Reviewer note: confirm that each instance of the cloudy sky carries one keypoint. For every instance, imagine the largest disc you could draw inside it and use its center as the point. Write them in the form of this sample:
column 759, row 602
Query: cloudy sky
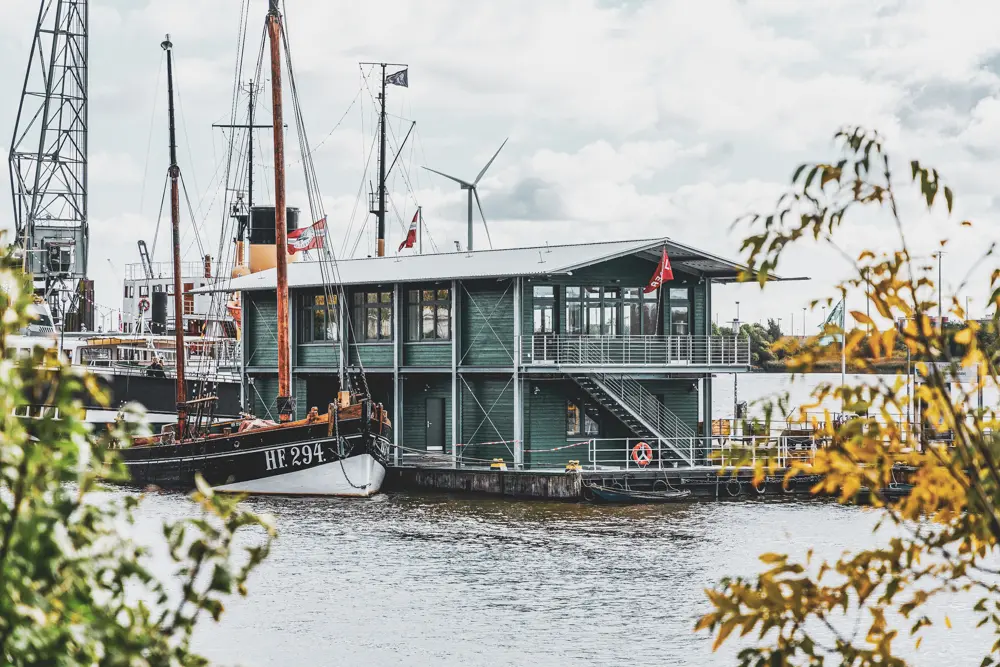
column 626, row 118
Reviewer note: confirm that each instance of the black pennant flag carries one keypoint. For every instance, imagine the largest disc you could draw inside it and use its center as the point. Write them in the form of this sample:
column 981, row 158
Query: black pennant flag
column 400, row 78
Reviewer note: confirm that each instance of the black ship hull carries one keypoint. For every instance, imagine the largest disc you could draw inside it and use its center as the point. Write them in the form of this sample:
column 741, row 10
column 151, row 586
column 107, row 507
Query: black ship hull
column 158, row 395
column 287, row 460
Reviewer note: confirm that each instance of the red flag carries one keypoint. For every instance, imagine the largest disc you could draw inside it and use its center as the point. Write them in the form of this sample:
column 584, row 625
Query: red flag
column 307, row 238
column 411, row 233
column 662, row 275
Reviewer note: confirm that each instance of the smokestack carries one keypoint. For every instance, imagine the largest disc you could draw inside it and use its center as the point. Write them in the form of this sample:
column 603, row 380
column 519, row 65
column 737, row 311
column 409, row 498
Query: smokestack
column 158, row 314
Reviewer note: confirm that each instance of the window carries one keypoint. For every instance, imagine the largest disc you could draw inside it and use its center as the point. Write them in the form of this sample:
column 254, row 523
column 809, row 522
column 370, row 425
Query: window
column 157, row 289
column 544, row 309
column 640, row 312
column 143, row 290
column 188, row 299
column 578, row 422
column 129, row 291
column 429, row 314
column 373, row 315
column 680, row 311
column 595, row 311
column 320, row 320
column 574, row 311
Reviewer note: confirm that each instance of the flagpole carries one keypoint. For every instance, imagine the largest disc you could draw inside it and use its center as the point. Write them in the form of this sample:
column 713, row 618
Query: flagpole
column 843, row 348
column 420, row 230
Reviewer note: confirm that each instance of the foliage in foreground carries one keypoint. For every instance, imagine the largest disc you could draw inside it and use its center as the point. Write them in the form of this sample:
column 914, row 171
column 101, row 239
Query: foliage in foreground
column 860, row 608
column 74, row 589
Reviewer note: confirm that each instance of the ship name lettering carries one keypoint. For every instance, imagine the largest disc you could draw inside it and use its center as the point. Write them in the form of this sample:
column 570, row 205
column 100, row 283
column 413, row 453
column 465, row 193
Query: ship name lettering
column 300, row 456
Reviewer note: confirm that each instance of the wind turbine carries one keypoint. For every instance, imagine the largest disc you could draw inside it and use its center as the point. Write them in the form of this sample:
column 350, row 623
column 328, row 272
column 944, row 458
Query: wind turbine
column 473, row 192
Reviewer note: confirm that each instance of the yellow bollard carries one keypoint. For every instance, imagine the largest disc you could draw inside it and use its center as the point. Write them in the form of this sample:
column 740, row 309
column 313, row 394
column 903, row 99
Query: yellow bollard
column 573, row 465
column 498, row 464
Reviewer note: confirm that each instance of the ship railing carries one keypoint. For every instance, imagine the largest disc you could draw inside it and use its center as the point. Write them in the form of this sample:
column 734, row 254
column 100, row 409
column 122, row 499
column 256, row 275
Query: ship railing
column 585, row 350
column 163, row 270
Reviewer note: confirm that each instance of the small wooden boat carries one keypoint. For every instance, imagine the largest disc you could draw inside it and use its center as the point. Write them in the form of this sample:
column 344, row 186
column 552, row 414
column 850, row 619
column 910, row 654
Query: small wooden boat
column 607, row 494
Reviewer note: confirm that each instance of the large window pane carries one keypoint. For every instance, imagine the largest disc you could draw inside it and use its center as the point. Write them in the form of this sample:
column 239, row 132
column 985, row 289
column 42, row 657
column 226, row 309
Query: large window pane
column 428, row 320
column 594, row 320
column 574, row 318
column 610, row 325
column 572, row 292
column 443, row 324
column 679, row 320
column 386, row 321
column 649, row 317
column 678, row 293
column 632, row 322
column 544, row 291
column 371, row 328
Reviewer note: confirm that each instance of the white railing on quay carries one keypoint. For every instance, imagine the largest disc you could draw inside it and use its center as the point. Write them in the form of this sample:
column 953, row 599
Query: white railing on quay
column 581, row 350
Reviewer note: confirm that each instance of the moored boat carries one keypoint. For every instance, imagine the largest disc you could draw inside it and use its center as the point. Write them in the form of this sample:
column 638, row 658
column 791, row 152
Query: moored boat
column 341, row 452
column 607, row 494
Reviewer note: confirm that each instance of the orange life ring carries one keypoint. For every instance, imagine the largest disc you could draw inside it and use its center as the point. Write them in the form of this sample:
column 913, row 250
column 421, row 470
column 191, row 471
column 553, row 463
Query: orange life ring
column 143, row 305
column 642, row 454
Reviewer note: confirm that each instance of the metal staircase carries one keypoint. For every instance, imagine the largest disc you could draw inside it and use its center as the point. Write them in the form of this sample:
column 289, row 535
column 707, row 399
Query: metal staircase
column 642, row 412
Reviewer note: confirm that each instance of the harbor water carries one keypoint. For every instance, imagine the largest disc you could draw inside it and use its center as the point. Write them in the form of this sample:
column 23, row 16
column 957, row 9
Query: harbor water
column 436, row 580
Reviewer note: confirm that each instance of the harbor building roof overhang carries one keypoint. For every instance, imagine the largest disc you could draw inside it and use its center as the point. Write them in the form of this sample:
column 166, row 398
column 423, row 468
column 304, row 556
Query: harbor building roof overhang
column 484, row 264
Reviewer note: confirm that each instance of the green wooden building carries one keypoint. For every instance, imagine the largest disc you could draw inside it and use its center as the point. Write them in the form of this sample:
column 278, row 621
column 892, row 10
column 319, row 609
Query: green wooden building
column 535, row 355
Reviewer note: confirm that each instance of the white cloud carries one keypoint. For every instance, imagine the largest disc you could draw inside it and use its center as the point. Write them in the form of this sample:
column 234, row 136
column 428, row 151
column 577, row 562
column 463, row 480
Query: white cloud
column 658, row 117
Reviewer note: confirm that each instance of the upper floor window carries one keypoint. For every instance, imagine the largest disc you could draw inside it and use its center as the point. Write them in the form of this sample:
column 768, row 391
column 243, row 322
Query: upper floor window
column 429, row 314
column 641, row 312
column 544, row 299
column 320, row 320
column 611, row 311
column 143, row 290
column 373, row 315
column 680, row 311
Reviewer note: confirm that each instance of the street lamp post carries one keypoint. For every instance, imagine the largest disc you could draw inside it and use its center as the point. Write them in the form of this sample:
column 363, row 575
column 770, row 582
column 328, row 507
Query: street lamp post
column 803, row 322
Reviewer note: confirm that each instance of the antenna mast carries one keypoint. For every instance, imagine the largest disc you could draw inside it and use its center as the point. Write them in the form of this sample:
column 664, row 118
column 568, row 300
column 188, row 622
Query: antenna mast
column 48, row 162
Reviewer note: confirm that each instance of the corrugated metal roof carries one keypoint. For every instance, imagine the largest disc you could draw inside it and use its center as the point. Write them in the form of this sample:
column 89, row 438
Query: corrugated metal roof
column 501, row 263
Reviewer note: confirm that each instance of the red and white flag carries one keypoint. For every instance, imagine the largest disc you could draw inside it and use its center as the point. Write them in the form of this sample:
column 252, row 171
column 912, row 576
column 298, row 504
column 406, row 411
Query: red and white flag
column 307, row 238
column 411, row 233
column 662, row 275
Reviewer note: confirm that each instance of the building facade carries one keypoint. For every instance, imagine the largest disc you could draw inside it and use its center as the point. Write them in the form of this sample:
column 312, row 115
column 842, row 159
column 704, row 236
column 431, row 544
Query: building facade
column 533, row 355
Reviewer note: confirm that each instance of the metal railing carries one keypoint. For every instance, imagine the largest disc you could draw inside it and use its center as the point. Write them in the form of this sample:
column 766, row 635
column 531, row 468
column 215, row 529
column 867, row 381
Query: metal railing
column 649, row 410
column 671, row 453
column 579, row 350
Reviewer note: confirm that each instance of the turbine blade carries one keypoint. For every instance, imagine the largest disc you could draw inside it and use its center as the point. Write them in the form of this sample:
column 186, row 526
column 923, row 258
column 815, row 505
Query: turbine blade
column 457, row 180
column 476, row 182
column 483, row 216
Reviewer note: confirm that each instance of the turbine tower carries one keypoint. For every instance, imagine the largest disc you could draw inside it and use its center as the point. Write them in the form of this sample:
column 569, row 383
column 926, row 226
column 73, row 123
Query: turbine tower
column 473, row 192
column 48, row 163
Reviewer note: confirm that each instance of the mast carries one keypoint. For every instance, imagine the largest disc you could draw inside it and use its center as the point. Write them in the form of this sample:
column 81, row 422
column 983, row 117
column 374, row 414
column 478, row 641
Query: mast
column 250, row 149
column 175, row 234
column 380, row 241
column 285, row 404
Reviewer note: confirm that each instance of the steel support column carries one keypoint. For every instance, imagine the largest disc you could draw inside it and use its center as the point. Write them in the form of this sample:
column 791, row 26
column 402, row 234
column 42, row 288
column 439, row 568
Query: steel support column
column 455, row 345
column 397, row 358
column 518, row 394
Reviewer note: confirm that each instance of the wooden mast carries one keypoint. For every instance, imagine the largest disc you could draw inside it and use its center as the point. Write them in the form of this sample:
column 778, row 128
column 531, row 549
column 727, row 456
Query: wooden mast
column 175, row 208
column 285, row 405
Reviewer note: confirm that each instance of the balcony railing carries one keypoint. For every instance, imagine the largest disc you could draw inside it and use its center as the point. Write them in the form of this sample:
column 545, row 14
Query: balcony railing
column 569, row 350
